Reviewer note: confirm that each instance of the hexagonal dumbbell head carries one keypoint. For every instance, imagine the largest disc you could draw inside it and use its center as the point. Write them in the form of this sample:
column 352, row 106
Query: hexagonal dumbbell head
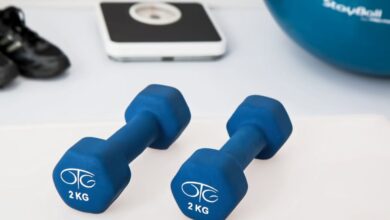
column 269, row 116
column 168, row 106
column 93, row 172
column 211, row 183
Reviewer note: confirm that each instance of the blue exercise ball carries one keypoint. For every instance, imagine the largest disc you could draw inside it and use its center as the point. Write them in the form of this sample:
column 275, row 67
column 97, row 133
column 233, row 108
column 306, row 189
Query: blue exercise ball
column 351, row 34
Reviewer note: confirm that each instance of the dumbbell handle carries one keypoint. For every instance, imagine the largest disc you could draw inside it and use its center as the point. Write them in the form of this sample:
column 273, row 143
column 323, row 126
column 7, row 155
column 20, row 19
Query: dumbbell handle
column 133, row 138
column 245, row 144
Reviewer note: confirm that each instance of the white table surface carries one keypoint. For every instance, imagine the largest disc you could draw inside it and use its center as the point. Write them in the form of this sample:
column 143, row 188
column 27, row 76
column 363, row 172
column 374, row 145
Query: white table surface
column 331, row 168
column 261, row 60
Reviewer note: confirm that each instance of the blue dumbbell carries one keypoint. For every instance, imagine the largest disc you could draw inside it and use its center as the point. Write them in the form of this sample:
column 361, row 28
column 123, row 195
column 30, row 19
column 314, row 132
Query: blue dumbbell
column 93, row 172
column 211, row 183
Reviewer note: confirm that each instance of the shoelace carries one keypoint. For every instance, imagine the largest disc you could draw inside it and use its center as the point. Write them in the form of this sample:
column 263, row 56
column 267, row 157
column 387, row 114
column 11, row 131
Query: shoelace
column 15, row 19
column 9, row 42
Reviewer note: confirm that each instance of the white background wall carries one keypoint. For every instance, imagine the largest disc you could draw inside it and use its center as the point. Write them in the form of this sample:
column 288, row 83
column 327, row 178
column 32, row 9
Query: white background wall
column 61, row 3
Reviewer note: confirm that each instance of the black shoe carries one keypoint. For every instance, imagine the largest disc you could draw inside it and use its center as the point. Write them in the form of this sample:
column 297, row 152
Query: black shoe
column 8, row 70
column 34, row 56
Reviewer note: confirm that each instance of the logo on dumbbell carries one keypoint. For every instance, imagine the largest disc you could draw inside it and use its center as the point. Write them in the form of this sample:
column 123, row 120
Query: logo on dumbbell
column 82, row 178
column 200, row 190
